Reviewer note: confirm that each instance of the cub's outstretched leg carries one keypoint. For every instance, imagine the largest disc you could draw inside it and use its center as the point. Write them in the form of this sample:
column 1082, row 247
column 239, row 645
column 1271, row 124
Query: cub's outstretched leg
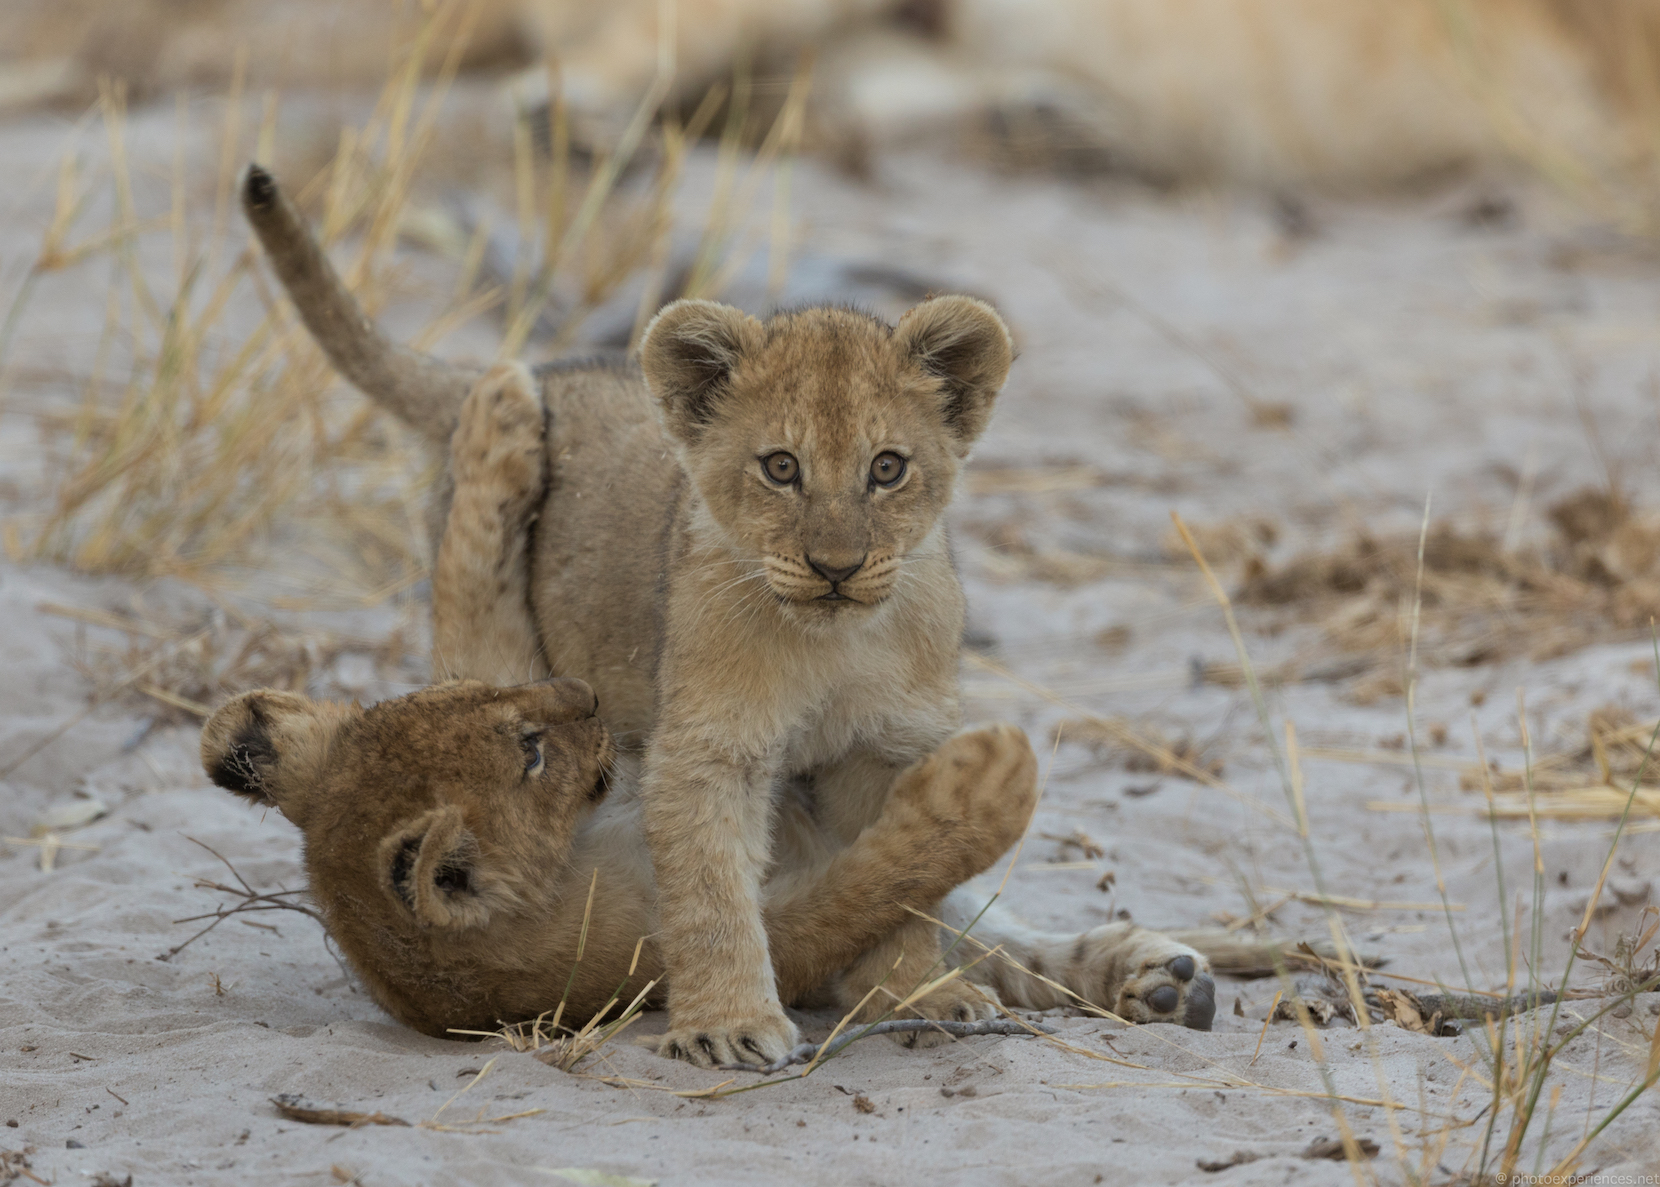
column 849, row 794
column 481, row 618
column 946, row 819
column 1140, row 975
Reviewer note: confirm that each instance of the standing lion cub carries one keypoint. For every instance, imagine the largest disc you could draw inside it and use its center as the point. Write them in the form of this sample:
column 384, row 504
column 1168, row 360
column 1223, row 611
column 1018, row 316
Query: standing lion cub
column 747, row 533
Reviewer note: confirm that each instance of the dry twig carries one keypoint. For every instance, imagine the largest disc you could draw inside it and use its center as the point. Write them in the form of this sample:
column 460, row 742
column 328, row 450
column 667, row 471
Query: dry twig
column 251, row 900
column 808, row 1052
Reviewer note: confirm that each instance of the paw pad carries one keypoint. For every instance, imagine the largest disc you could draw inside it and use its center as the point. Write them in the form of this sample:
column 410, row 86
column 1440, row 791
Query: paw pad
column 1201, row 1003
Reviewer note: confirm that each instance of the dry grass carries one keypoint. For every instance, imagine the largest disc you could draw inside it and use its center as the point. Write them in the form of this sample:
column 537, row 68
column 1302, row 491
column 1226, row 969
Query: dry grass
column 565, row 1047
column 1519, row 1060
column 1110, row 742
column 225, row 436
column 247, row 899
column 1479, row 600
column 1615, row 750
column 1603, row 779
column 183, row 666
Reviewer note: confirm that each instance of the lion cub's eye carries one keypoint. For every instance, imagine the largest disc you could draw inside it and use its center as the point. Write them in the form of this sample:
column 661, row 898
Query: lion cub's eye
column 531, row 744
column 887, row 469
column 781, row 467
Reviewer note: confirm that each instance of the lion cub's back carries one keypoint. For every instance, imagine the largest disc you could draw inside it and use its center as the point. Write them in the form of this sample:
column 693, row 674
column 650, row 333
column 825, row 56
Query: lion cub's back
column 613, row 479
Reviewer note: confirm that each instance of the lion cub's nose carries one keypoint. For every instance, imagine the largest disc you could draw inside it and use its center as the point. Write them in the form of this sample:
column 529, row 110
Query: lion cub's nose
column 572, row 697
column 835, row 574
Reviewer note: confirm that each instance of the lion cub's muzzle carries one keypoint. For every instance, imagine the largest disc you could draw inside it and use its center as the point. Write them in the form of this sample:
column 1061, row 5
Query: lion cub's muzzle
column 832, row 584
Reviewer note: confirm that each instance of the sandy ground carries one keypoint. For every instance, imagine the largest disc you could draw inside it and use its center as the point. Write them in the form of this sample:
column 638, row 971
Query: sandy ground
column 1414, row 353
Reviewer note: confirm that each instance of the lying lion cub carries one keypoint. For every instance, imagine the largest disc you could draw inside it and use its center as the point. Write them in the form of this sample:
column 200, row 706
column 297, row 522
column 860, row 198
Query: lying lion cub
column 452, row 836
column 741, row 549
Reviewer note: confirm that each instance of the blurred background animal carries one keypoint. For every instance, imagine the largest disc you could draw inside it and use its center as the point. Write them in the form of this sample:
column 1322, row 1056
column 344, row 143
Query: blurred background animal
column 1271, row 92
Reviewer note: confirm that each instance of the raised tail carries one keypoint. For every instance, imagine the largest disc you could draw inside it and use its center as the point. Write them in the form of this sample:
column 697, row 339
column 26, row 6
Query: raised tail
column 424, row 392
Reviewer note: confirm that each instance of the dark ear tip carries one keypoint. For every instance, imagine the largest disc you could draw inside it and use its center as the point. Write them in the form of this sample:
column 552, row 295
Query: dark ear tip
column 259, row 188
column 241, row 768
column 237, row 751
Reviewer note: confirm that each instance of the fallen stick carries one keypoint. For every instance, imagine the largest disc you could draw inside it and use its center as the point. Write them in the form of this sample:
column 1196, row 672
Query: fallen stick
column 1443, row 1014
column 806, row 1052
column 1471, row 1008
column 294, row 1108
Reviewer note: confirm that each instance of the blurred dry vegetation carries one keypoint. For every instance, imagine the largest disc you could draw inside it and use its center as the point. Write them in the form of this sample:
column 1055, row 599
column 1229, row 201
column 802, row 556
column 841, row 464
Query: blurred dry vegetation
column 1270, row 92
column 207, row 440
column 1479, row 597
column 203, row 444
column 182, row 459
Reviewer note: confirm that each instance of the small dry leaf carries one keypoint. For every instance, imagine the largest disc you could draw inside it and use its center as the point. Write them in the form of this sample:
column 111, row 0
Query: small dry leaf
column 862, row 1103
column 1407, row 1012
column 294, row 1108
column 1306, row 991
column 1237, row 1158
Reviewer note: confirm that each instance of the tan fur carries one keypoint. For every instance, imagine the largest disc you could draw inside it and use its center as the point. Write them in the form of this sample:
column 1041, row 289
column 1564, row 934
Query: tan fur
column 456, row 884
column 748, row 638
column 451, row 835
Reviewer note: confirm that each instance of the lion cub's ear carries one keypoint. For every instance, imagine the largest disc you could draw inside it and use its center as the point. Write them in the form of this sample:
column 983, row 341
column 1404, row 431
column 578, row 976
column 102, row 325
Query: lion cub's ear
column 434, row 866
column 271, row 747
column 688, row 354
column 965, row 345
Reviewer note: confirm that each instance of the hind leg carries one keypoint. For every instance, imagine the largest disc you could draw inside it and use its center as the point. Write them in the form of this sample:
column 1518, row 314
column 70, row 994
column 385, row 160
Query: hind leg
column 839, row 914
column 988, row 772
column 481, row 617
column 1137, row 974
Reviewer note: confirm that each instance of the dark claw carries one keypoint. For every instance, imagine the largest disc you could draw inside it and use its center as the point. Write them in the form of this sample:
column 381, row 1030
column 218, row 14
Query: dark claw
column 1182, row 968
column 1164, row 999
column 1201, row 1003
column 708, row 1046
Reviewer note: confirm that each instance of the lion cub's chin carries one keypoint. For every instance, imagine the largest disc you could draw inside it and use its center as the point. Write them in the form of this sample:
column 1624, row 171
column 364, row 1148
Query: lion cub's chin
column 831, row 613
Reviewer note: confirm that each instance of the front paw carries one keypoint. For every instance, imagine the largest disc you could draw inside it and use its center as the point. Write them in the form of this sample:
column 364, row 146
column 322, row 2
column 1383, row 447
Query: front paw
column 1171, row 985
column 761, row 1040
column 498, row 439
